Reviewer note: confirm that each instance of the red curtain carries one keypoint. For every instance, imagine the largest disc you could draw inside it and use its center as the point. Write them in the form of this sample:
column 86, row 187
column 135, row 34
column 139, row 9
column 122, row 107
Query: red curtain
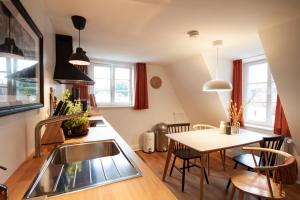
column 280, row 125
column 237, row 85
column 141, row 89
column 93, row 102
column 84, row 89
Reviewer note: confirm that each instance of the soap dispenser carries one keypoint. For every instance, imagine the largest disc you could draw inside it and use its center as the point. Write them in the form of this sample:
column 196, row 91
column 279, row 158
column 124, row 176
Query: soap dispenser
column 3, row 188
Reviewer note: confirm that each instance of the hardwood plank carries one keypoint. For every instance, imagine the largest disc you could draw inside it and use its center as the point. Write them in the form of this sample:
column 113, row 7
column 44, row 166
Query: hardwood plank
column 202, row 176
column 218, row 178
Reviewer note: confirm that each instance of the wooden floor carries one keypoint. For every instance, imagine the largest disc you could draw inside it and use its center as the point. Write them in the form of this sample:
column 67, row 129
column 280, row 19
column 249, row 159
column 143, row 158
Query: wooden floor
column 216, row 190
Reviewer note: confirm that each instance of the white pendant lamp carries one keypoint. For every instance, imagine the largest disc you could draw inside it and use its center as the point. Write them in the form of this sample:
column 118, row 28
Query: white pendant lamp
column 217, row 85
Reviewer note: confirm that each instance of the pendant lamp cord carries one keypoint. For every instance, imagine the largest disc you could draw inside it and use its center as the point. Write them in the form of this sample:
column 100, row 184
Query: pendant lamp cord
column 79, row 36
column 216, row 75
column 9, row 27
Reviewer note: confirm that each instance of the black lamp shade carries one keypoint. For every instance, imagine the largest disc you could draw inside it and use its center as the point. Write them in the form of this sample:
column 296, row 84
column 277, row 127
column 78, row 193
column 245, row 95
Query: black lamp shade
column 10, row 49
column 79, row 57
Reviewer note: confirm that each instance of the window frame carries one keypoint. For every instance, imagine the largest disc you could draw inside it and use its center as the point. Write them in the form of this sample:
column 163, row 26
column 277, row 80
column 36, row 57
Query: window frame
column 113, row 65
column 269, row 123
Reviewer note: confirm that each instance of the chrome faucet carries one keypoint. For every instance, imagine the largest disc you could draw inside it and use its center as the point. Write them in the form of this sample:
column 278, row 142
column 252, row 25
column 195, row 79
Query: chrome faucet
column 50, row 120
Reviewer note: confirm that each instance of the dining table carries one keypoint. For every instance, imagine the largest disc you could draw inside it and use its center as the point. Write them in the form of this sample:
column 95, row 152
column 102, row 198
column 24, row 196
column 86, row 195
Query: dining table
column 208, row 141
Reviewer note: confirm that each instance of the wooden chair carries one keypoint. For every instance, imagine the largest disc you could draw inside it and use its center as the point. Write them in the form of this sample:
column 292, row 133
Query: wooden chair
column 246, row 160
column 222, row 152
column 202, row 126
column 183, row 152
column 259, row 183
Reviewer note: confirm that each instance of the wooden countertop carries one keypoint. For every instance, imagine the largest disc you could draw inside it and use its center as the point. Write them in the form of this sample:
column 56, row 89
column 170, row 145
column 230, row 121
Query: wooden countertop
column 149, row 186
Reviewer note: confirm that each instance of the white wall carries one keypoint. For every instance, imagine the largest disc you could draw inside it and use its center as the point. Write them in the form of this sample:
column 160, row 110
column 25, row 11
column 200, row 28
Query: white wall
column 281, row 45
column 163, row 103
column 17, row 131
column 187, row 77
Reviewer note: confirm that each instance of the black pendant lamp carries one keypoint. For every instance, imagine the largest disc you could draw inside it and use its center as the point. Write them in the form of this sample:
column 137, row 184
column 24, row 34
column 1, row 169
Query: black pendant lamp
column 9, row 47
column 79, row 57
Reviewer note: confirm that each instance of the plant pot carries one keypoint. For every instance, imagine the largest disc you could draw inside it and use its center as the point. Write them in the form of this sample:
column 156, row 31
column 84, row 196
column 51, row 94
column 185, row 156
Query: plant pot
column 76, row 131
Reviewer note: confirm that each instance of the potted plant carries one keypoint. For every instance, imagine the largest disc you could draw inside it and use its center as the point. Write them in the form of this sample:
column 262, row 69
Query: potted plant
column 77, row 126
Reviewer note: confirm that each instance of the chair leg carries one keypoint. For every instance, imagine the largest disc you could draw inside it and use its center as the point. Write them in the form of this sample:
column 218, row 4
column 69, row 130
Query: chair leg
column 188, row 165
column 183, row 176
column 229, row 180
column 206, row 178
column 232, row 193
column 241, row 195
column 173, row 164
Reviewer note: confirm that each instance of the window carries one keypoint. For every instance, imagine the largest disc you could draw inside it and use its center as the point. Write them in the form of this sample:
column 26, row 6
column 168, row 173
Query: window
column 9, row 87
column 259, row 94
column 3, row 79
column 114, row 84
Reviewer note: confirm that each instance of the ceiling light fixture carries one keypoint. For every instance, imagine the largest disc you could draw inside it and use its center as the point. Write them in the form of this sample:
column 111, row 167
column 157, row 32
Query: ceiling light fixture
column 9, row 47
column 79, row 57
column 216, row 85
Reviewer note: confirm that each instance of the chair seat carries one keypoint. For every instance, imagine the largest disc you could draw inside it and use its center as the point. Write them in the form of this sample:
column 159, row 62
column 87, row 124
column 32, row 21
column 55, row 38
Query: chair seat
column 255, row 184
column 246, row 160
column 187, row 154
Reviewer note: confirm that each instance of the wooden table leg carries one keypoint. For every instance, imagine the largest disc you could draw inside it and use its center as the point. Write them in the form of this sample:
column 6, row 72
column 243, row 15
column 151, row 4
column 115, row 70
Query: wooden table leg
column 170, row 151
column 224, row 159
column 202, row 176
column 208, row 165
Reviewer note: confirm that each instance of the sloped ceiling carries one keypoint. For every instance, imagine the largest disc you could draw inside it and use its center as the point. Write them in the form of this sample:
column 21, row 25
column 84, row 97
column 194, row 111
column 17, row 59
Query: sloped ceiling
column 155, row 30
column 188, row 76
column 282, row 47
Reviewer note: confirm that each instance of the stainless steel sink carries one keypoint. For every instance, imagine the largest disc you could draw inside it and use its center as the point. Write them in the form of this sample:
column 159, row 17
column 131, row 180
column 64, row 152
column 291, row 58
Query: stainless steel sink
column 79, row 152
column 79, row 166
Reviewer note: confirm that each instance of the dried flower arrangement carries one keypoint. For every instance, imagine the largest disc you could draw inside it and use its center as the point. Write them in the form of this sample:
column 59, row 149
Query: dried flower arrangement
column 235, row 113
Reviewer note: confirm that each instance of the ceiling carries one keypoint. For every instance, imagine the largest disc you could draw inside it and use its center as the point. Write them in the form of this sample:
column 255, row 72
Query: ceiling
column 155, row 30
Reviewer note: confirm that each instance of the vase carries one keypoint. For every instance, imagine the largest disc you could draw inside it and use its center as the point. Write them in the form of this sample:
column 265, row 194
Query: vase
column 235, row 128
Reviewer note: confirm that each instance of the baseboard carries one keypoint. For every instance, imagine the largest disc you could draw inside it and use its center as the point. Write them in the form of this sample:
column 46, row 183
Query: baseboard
column 135, row 147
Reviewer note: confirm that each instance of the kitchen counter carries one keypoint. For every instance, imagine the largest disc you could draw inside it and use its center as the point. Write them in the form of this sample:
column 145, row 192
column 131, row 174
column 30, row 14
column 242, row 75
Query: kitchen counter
column 148, row 186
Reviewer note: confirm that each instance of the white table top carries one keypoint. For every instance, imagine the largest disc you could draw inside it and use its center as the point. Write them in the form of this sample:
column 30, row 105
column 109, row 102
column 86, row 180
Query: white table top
column 210, row 140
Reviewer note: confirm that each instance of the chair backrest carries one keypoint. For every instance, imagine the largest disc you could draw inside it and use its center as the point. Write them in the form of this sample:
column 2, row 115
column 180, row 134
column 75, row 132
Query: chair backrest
column 284, row 173
column 270, row 143
column 202, row 126
column 177, row 128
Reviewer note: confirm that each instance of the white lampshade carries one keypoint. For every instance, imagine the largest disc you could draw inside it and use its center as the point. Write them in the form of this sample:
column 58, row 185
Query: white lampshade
column 217, row 86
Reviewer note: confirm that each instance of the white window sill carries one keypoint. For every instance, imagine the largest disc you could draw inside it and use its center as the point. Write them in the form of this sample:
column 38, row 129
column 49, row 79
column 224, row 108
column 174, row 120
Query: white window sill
column 265, row 129
column 114, row 106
